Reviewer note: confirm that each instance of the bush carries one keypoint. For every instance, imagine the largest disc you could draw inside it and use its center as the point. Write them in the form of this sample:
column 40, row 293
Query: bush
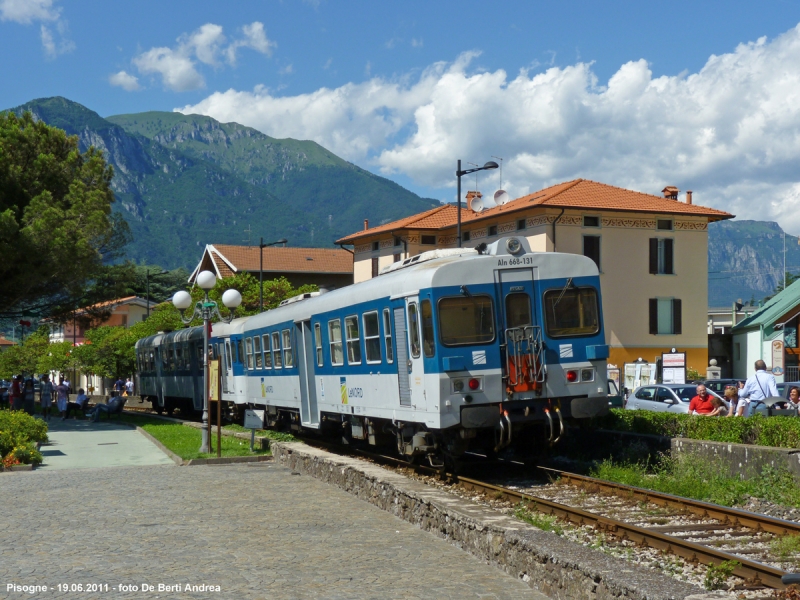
column 19, row 434
column 778, row 432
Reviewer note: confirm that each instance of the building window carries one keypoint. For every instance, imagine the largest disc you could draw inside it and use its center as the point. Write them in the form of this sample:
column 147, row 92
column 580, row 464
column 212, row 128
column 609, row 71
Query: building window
column 397, row 241
column 661, row 256
column 738, row 348
column 465, row 236
column 492, row 230
column 428, row 240
column 376, row 246
column 664, row 224
column 591, row 248
column 397, row 257
column 521, row 224
column 375, row 266
column 591, row 221
column 665, row 316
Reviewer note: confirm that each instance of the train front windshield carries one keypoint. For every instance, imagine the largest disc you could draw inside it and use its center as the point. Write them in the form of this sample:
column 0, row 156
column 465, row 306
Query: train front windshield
column 571, row 312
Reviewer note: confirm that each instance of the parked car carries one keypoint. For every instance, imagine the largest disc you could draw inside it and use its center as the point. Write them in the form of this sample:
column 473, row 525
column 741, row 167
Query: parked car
column 784, row 387
column 718, row 385
column 666, row 397
column 615, row 397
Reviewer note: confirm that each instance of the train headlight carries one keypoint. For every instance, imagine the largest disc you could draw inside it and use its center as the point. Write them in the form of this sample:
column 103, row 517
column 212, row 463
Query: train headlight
column 513, row 245
column 458, row 385
column 572, row 376
column 587, row 375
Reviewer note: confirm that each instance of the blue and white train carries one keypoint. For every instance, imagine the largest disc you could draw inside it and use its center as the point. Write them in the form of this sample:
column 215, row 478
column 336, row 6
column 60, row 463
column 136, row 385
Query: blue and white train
column 448, row 350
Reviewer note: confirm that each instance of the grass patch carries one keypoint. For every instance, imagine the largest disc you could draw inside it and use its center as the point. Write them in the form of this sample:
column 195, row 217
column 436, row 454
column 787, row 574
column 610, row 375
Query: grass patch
column 278, row 436
column 702, row 479
column 787, row 548
column 537, row 519
column 185, row 441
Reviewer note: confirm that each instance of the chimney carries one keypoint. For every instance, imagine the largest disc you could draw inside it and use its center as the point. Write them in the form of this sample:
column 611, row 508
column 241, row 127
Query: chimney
column 670, row 192
column 366, row 224
column 688, row 196
column 471, row 195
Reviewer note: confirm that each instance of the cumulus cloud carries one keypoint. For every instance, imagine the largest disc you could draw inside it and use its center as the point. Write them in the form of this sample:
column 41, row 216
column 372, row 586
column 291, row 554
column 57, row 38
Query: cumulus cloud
column 178, row 66
column 730, row 132
column 128, row 82
column 27, row 12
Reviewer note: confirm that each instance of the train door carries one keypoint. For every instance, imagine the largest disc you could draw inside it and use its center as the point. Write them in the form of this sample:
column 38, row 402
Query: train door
column 403, row 362
column 416, row 372
column 227, row 368
column 160, row 379
column 522, row 334
column 309, row 414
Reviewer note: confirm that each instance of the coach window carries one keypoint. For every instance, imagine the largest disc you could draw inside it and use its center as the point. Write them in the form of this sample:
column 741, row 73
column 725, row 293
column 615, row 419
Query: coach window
column 428, row 341
column 466, row 320
column 518, row 310
column 257, row 351
column 413, row 326
column 239, row 351
column 335, row 336
column 248, row 344
column 228, row 354
column 276, row 350
column 387, row 336
column 372, row 337
column 267, row 353
column 288, row 357
column 353, row 340
column 178, row 358
column 318, row 343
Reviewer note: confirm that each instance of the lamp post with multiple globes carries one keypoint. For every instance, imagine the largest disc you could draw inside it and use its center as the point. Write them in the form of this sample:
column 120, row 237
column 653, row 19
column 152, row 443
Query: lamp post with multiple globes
column 207, row 309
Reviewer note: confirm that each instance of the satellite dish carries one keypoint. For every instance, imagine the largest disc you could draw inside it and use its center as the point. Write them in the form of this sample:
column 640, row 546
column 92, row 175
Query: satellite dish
column 501, row 197
column 476, row 204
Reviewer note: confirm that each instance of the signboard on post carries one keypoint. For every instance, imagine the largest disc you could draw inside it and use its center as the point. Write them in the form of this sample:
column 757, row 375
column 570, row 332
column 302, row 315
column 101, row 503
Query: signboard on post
column 777, row 357
column 673, row 366
column 213, row 380
column 254, row 419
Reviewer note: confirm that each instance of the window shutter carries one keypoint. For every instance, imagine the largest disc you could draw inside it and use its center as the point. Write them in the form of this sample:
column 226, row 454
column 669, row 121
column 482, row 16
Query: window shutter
column 653, row 316
column 653, row 256
column 676, row 316
column 668, row 263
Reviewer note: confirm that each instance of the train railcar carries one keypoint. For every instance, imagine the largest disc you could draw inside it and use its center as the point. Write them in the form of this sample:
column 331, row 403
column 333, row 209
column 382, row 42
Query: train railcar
column 446, row 350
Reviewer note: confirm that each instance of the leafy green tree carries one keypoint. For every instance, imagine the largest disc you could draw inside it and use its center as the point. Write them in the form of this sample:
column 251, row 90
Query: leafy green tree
column 25, row 357
column 56, row 224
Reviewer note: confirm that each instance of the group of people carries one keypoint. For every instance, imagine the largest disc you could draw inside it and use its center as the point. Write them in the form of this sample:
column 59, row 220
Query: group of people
column 743, row 399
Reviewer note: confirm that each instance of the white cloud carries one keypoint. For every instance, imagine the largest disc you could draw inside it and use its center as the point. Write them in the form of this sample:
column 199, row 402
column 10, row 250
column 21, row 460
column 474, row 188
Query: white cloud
column 730, row 132
column 128, row 82
column 53, row 48
column 178, row 66
column 287, row 70
column 28, row 11
column 417, row 43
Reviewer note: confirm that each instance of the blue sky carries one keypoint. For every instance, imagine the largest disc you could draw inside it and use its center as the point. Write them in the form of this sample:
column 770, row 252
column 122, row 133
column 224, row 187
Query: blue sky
column 641, row 95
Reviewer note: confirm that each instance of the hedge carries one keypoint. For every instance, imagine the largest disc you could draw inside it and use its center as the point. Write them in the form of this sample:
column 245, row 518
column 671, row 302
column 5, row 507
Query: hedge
column 778, row 432
column 19, row 434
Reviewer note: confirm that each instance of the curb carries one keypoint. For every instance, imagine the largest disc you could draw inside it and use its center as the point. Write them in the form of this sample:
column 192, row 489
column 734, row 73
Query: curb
column 226, row 460
column 175, row 458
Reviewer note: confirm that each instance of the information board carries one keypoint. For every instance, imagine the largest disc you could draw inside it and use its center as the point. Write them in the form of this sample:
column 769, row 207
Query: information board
column 254, row 419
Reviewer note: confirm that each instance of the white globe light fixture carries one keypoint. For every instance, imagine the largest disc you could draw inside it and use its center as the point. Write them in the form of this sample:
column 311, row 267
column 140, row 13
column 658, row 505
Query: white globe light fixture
column 206, row 280
column 182, row 300
column 232, row 298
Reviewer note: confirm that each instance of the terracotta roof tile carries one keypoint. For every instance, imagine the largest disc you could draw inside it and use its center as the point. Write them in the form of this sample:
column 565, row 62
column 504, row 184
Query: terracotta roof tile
column 289, row 260
column 580, row 194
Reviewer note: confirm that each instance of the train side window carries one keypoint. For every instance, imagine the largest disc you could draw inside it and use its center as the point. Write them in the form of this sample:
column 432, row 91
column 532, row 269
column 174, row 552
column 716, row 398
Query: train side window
column 288, row 357
column 428, row 341
column 248, row 346
column 267, row 352
column 276, row 350
column 178, row 357
column 353, row 340
column 318, row 343
column 152, row 361
column 413, row 326
column 387, row 336
column 372, row 337
column 466, row 320
column 228, row 354
column 335, row 336
column 257, row 351
column 518, row 310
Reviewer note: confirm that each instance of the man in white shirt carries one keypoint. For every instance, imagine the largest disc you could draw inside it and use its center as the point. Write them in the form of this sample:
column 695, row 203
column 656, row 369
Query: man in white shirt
column 758, row 387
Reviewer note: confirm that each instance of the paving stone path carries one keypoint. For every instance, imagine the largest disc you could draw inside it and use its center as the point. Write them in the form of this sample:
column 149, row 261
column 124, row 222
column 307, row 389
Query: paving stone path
column 255, row 530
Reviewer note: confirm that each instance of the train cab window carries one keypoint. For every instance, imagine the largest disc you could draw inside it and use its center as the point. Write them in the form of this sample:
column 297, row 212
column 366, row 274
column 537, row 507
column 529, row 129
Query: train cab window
column 248, row 346
column 353, row 340
column 387, row 336
column 518, row 310
column 570, row 312
column 413, row 326
column 466, row 320
column 426, row 319
column 257, row 351
column 267, row 352
column 335, row 337
column 318, row 343
column 276, row 350
column 372, row 337
column 288, row 357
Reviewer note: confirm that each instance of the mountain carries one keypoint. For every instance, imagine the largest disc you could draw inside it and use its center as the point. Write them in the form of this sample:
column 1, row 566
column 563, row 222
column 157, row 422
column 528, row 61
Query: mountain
column 185, row 181
column 745, row 260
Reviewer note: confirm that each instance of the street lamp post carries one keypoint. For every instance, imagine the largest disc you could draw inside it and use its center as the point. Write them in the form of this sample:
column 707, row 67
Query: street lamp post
column 489, row 165
column 261, row 247
column 207, row 309
column 147, row 280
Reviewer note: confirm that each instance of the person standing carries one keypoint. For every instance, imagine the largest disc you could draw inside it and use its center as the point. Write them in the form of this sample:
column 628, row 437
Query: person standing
column 757, row 388
column 701, row 404
column 28, row 396
column 129, row 387
column 119, row 385
column 15, row 395
column 46, row 396
column 62, row 393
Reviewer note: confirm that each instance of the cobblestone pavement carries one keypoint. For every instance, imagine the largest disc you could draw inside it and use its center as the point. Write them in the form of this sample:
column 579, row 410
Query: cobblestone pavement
column 256, row 530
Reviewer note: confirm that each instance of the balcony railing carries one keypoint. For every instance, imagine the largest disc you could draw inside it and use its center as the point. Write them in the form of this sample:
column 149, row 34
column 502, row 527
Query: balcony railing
column 792, row 374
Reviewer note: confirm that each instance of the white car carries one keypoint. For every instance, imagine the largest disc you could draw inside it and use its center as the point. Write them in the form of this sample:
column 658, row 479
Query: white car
column 671, row 397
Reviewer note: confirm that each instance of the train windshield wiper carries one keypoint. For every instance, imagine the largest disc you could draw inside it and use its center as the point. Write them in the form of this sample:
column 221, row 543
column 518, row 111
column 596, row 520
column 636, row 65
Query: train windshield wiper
column 564, row 291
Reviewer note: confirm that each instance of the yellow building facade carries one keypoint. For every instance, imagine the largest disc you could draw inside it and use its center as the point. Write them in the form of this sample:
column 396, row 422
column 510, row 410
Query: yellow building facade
column 651, row 251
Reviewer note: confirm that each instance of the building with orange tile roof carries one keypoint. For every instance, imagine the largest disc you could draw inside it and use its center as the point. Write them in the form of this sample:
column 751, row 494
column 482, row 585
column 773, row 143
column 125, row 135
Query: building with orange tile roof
column 121, row 312
column 327, row 267
column 651, row 251
column 5, row 343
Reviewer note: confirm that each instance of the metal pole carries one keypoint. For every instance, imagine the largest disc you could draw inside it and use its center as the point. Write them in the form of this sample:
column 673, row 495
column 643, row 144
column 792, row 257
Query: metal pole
column 784, row 260
column 219, row 407
column 458, row 230
column 147, row 279
column 204, row 446
column 261, row 276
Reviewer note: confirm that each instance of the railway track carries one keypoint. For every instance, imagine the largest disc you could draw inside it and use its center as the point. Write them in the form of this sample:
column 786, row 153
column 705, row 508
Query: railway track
column 698, row 532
